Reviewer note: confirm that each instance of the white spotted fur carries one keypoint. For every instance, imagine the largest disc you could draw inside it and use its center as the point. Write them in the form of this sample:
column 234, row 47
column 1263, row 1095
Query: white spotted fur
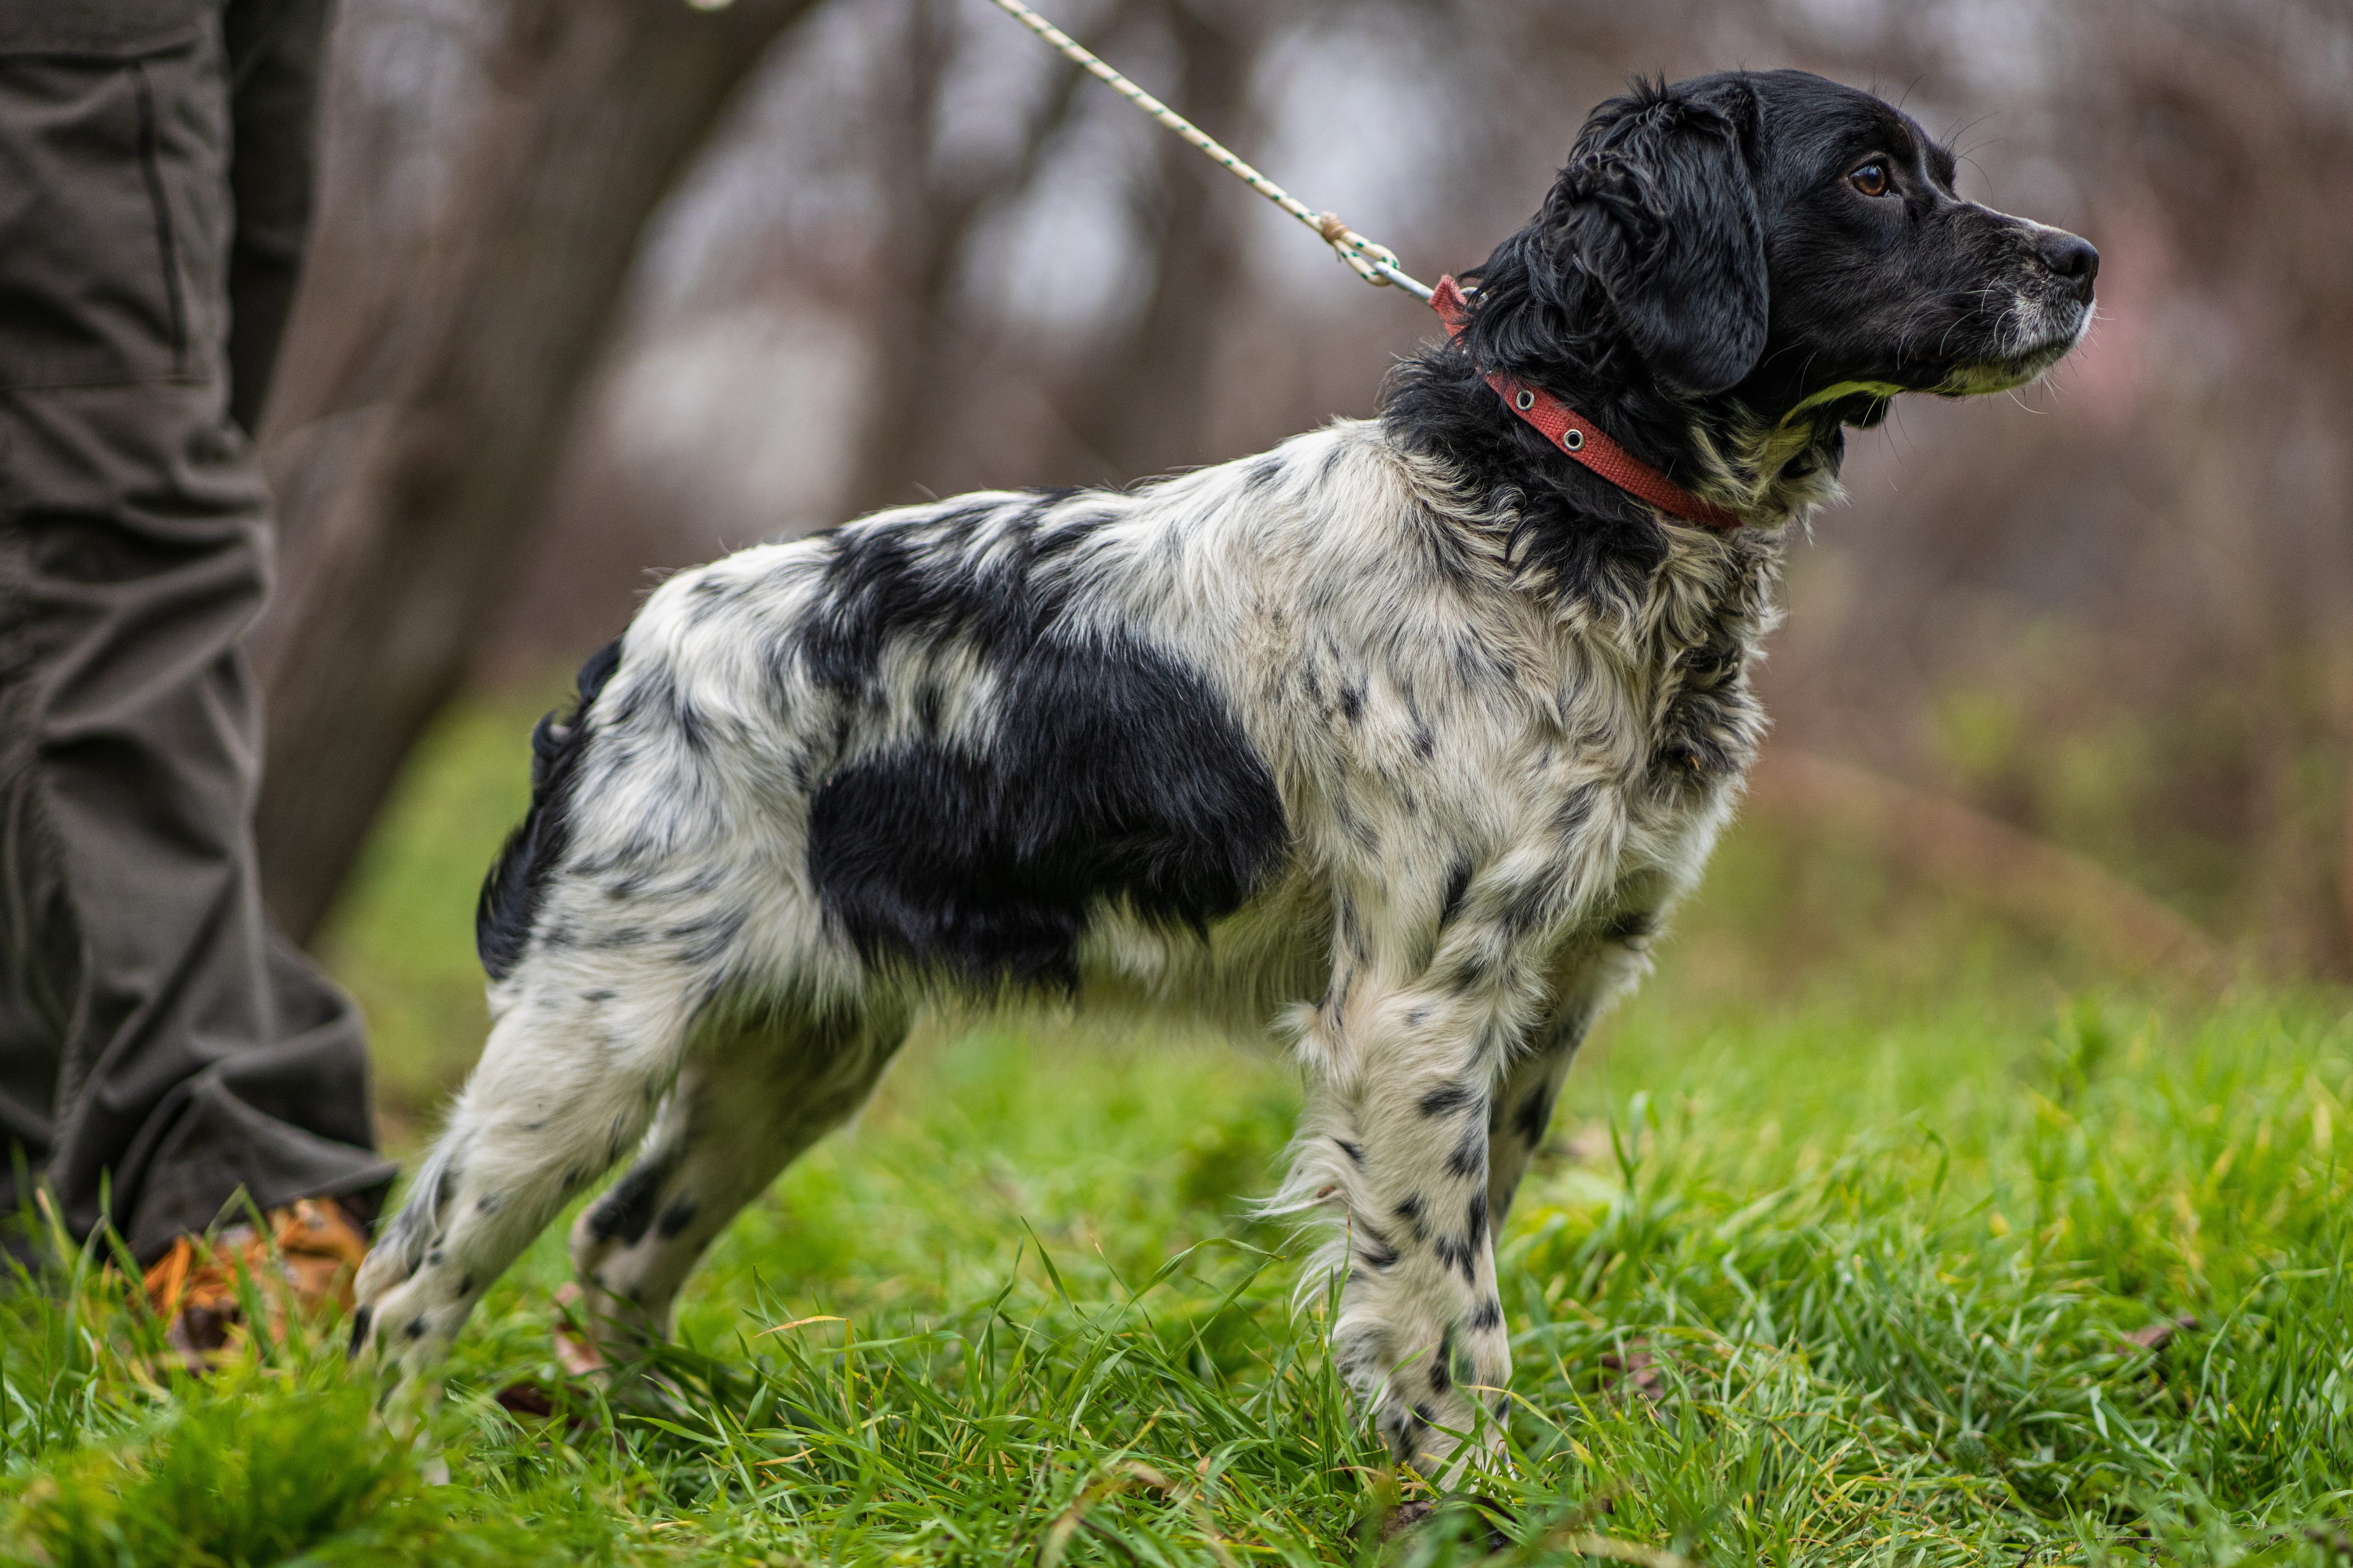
column 738, row 1026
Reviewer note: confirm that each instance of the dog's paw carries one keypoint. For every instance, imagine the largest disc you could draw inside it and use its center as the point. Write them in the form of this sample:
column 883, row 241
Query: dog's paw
column 402, row 1328
column 1491, row 1518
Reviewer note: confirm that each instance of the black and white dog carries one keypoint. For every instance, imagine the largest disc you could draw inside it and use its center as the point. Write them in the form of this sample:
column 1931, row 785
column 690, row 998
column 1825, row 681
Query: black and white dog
column 1404, row 736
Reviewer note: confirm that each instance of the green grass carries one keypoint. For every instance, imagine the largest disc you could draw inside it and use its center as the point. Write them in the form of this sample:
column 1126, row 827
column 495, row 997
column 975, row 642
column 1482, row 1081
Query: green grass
column 1880, row 1190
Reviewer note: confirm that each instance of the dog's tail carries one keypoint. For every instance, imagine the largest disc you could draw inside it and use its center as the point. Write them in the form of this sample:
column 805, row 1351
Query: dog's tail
column 510, row 893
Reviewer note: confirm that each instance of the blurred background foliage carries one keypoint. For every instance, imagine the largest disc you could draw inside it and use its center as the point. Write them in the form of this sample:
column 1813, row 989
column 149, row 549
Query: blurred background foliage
column 2066, row 692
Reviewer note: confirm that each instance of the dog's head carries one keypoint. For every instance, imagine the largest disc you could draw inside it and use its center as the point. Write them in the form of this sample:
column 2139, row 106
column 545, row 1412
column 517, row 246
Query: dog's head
column 1783, row 242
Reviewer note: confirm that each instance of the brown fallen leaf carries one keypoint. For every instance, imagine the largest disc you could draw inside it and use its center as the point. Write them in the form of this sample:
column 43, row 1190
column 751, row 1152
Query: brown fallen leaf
column 576, row 1352
column 2156, row 1335
column 524, row 1399
column 302, row 1265
column 2336, row 1542
column 1639, row 1372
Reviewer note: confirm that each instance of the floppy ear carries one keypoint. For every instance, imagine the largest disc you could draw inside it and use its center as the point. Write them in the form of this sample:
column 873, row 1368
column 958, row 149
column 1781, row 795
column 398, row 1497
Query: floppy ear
column 1659, row 208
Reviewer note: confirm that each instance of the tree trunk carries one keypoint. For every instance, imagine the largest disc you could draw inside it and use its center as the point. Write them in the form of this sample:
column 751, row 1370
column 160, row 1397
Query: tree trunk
column 1144, row 408
column 408, row 470
column 921, row 343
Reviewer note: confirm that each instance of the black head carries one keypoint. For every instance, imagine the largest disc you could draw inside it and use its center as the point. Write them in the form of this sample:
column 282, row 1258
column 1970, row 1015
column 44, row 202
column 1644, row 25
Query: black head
column 1771, row 243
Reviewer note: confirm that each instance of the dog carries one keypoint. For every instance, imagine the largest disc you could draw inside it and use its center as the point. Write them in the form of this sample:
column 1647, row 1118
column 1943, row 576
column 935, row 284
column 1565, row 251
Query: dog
column 1402, row 738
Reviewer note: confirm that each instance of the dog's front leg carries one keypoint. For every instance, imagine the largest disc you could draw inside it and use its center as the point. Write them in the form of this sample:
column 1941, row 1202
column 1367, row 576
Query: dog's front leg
column 1394, row 1146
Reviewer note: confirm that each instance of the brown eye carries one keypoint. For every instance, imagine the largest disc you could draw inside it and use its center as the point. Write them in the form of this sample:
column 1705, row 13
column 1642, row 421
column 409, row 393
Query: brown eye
column 1871, row 179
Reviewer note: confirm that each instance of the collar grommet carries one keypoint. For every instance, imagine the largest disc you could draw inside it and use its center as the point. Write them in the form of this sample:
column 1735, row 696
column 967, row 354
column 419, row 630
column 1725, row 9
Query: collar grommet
column 1572, row 440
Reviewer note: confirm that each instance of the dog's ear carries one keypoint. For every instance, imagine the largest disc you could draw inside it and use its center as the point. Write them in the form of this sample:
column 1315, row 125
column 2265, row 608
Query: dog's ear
column 1659, row 208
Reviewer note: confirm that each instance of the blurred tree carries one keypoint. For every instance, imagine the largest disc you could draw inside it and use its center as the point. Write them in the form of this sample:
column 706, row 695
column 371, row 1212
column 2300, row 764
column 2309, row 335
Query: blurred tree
column 2118, row 621
column 409, row 452
column 924, row 339
column 1144, row 402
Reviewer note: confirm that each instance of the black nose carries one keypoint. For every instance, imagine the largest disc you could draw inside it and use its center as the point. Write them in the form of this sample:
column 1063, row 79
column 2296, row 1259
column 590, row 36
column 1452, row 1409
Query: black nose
column 2072, row 259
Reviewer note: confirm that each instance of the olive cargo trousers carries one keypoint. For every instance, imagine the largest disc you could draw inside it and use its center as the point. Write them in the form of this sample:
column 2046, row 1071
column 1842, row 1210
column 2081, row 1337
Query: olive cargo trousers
column 159, row 1041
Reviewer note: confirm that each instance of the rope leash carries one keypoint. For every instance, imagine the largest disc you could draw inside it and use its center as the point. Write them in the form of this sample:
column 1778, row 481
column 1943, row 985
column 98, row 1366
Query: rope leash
column 1376, row 264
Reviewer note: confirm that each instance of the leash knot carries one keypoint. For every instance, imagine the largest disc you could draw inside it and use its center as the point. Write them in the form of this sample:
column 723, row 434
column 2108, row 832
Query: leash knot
column 1363, row 258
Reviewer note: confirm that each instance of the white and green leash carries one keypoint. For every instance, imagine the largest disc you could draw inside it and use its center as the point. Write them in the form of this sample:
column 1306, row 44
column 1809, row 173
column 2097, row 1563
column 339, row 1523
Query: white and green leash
column 1376, row 264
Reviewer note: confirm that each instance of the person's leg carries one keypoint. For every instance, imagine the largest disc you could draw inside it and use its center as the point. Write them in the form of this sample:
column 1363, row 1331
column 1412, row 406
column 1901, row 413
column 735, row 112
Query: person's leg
column 188, row 1052
column 275, row 52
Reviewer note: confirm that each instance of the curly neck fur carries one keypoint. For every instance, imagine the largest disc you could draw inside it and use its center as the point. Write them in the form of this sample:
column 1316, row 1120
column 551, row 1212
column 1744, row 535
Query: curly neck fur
column 1568, row 524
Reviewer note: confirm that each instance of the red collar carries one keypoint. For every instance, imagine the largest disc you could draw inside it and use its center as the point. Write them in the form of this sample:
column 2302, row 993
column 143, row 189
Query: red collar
column 1578, row 437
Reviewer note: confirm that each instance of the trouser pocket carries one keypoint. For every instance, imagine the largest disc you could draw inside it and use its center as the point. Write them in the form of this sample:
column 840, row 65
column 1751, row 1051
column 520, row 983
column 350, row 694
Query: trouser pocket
column 114, row 215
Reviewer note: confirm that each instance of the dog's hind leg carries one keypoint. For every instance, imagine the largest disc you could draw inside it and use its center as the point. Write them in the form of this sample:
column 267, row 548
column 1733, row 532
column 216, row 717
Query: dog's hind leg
column 568, row 1081
column 753, row 1096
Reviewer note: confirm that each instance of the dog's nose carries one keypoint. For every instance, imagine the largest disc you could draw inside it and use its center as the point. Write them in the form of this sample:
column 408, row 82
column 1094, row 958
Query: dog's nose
column 2072, row 259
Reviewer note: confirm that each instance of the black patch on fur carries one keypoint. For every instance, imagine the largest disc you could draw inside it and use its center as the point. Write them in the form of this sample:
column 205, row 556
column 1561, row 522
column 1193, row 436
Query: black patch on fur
column 511, row 892
column 1355, row 1155
column 1116, row 775
column 1351, row 931
column 1382, row 1256
column 1461, row 1254
column 926, row 578
column 704, row 938
column 675, row 1216
column 626, row 1210
column 1411, row 1211
column 1577, row 809
column 1464, row 1254
column 1489, row 1314
column 1534, row 1115
column 1447, row 1098
column 1632, row 926
column 1699, row 739
column 1708, row 663
column 445, row 1188
column 1458, row 884
column 415, row 1329
column 359, row 1321
column 1469, row 1156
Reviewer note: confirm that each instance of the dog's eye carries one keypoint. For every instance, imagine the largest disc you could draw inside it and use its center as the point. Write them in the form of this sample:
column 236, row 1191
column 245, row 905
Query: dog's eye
column 1871, row 179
